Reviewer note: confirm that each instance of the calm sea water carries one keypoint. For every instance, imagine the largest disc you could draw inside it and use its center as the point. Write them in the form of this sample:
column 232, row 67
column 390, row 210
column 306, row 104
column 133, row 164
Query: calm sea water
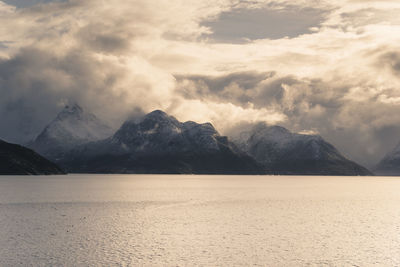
column 167, row 220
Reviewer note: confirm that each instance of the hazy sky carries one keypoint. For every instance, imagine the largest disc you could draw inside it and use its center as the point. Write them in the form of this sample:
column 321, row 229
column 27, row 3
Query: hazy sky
column 329, row 67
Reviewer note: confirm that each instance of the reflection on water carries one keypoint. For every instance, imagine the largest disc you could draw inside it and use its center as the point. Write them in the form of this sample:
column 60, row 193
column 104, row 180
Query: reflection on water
column 136, row 220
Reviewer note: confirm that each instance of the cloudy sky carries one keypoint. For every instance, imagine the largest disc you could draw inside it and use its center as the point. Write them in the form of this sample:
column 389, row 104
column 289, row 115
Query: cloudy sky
column 328, row 67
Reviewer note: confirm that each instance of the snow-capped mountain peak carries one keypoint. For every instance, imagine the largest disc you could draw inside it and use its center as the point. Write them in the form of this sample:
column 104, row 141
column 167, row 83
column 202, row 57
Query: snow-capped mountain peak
column 285, row 152
column 159, row 131
column 71, row 127
column 159, row 143
column 69, row 111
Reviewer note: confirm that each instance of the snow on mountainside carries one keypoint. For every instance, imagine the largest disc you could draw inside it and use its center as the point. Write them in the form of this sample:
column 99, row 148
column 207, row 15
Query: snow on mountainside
column 71, row 127
column 159, row 143
column 268, row 143
column 285, row 152
column 160, row 133
column 390, row 164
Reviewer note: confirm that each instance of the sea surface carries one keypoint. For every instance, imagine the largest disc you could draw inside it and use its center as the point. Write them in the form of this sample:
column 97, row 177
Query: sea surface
column 189, row 220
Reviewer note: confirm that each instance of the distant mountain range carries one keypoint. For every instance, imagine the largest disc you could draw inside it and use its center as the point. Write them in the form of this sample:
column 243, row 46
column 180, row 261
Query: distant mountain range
column 158, row 143
column 78, row 141
column 390, row 164
column 283, row 152
column 18, row 160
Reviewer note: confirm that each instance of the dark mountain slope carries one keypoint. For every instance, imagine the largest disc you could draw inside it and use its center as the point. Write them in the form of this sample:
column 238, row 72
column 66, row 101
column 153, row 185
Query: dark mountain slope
column 18, row 160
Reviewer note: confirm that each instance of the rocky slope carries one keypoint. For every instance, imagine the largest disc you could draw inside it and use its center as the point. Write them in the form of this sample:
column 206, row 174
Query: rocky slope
column 71, row 127
column 284, row 152
column 18, row 160
column 159, row 143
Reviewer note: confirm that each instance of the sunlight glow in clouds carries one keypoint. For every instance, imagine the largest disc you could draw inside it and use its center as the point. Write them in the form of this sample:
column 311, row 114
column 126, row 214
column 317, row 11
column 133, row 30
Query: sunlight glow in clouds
column 338, row 75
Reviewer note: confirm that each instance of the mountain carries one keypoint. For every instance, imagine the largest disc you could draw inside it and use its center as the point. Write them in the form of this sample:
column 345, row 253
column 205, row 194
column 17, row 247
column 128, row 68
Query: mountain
column 284, row 152
column 71, row 127
column 390, row 164
column 159, row 143
column 18, row 160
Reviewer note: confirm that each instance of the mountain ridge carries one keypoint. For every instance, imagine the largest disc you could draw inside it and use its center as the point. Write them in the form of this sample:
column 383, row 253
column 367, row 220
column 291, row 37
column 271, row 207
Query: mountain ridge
column 159, row 143
column 71, row 127
column 284, row 152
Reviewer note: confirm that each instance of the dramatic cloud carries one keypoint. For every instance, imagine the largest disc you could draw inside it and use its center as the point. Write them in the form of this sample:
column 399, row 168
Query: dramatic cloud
column 331, row 67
